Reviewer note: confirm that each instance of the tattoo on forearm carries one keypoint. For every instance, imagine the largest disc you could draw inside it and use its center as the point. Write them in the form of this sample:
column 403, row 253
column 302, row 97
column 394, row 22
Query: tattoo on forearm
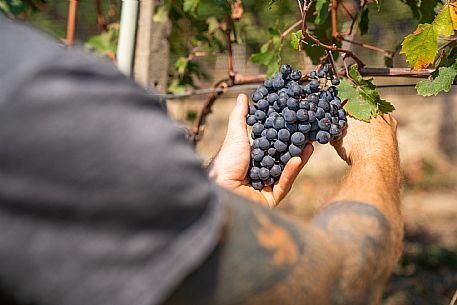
column 341, row 258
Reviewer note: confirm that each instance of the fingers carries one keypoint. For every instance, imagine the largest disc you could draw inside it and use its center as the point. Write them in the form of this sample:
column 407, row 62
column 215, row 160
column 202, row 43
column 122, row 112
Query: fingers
column 341, row 151
column 237, row 120
column 290, row 172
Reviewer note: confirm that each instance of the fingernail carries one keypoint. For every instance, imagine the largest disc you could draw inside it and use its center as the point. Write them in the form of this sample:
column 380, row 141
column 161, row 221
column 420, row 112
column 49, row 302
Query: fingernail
column 239, row 100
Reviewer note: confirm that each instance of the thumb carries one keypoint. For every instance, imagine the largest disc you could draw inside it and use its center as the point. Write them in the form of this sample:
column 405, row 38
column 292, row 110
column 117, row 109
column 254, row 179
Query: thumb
column 237, row 120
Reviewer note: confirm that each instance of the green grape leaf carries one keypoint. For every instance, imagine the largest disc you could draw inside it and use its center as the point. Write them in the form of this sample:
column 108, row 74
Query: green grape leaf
column 423, row 10
column 363, row 22
column 321, row 11
column 267, row 59
column 181, row 65
column 442, row 82
column 191, row 6
column 363, row 101
column 270, row 54
column 357, row 105
column 106, row 42
column 314, row 53
column 420, row 47
column 4, row 7
column 213, row 24
column 324, row 32
column 295, row 42
column 388, row 61
column 176, row 88
column 14, row 7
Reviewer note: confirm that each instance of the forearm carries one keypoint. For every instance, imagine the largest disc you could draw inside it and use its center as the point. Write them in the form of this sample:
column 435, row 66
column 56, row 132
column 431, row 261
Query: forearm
column 376, row 183
column 364, row 216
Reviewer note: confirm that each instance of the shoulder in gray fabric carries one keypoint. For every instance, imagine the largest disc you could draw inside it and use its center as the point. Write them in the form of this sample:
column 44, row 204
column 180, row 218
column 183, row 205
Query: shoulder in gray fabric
column 102, row 200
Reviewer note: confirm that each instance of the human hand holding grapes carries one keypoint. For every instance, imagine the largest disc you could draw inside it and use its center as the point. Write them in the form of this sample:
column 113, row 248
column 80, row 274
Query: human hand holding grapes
column 230, row 167
column 365, row 142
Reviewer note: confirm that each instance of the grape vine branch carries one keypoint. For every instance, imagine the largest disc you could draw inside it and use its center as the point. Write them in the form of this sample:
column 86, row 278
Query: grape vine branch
column 307, row 38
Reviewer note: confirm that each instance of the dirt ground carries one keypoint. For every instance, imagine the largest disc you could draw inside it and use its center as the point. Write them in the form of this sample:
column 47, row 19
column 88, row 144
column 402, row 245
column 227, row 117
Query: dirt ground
column 427, row 272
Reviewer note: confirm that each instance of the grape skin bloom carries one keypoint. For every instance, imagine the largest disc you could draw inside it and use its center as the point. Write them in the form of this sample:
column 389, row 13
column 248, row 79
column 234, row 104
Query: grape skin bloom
column 286, row 114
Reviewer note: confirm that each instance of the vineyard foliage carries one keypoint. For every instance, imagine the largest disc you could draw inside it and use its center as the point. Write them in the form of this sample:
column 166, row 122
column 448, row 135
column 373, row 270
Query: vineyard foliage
column 210, row 27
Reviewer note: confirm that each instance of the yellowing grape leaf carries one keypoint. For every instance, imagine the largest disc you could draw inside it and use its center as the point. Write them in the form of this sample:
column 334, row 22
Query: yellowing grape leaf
column 446, row 21
column 420, row 47
column 363, row 101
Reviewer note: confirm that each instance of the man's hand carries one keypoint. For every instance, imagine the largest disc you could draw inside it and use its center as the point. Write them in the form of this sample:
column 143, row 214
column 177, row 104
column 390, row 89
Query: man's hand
column 229, row 168
column 367, row 141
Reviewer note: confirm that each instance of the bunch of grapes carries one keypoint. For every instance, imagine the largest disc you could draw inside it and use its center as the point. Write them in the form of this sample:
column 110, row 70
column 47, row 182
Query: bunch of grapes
column 287, row 114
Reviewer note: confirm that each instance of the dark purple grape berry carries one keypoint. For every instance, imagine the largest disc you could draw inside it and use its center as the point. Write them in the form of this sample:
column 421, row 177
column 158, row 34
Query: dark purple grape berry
column 315, row 125
column 251, row 120
column 324, row 124
column 290, row 116
column 292, row 104
column 304, row 127
column 284, row 135
column 314, row 84
column 257, row 184
column 295, row 75
column 278, row 83
column 257, row 154
column 256, row 96
column 294, row 150
column 272, row 97
column 275, row 171
column 267, row 162
column 320, row 113
column 291, row 127
column 260, row 115
column 311, row 116
column 313, row 98
column 342, row 114
column 298, row 138
column 285, row 70
column 264, row 173
column 280, row 146
column 269, row 181
column 257, row 128
column 342, row 123
column 335, row 130
column 271, row 134
column 262, row 104
column 302, row 115
column 262, row 90
column 323, row 137
column 324, row 105
column 254, row 173
column 285, row 157
column 264, row 144
column 304, row 105
column 278, row 123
